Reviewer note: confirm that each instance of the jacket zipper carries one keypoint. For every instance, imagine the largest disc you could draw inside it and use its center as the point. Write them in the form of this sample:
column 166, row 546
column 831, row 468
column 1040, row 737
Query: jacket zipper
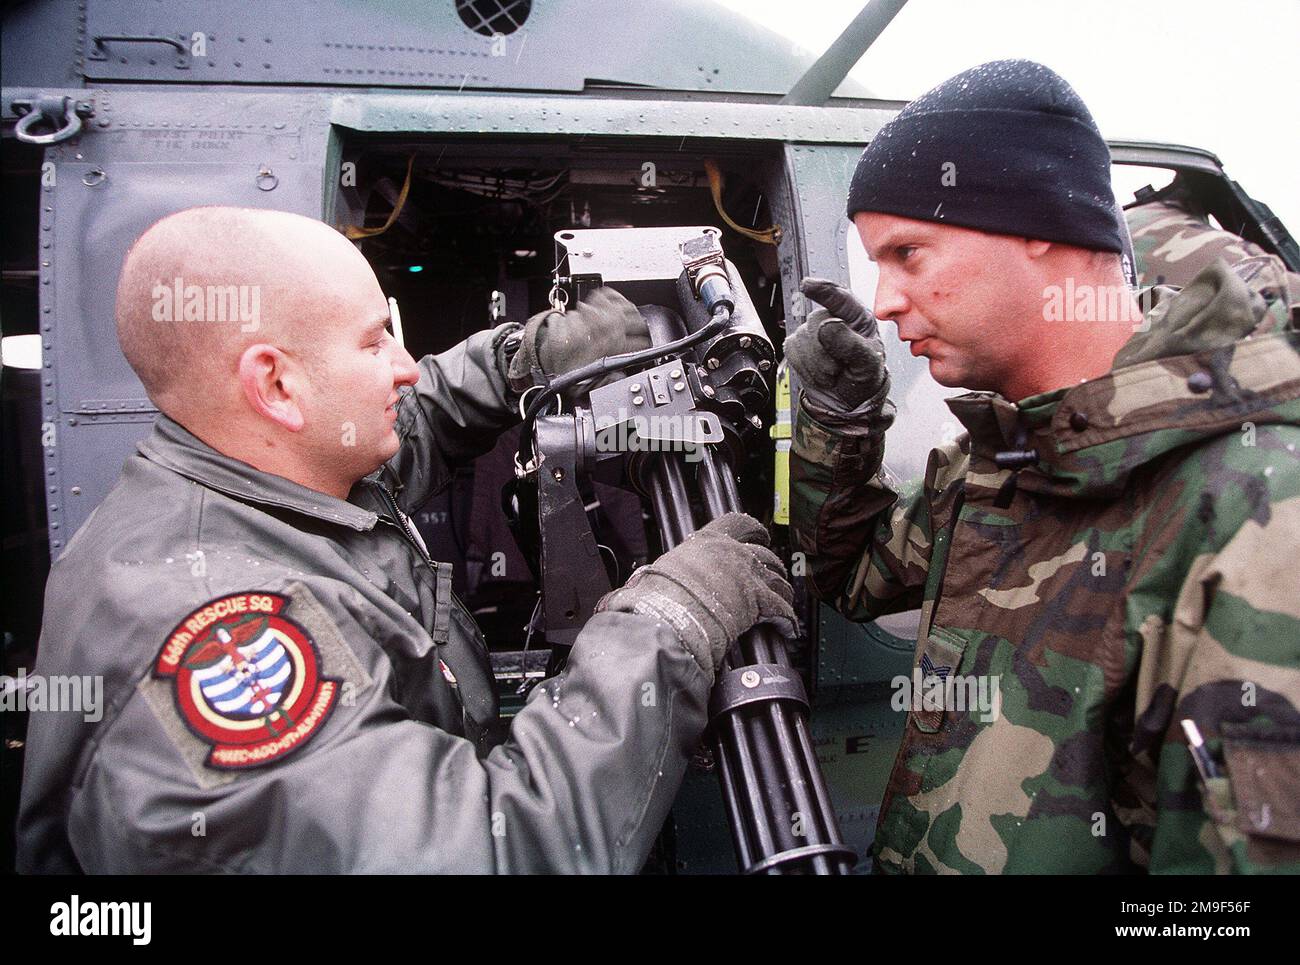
column 401, row 522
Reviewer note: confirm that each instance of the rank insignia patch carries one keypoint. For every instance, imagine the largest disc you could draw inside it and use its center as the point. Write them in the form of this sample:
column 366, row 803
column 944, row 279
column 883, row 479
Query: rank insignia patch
column 247, row 679
column 929, row 669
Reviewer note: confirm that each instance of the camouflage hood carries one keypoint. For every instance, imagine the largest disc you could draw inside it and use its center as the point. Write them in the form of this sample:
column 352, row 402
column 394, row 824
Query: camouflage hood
column 1219, row 356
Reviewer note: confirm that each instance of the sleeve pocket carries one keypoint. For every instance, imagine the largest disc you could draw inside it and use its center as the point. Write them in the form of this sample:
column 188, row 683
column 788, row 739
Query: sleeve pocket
column 1255, row 807
column 1264, row 770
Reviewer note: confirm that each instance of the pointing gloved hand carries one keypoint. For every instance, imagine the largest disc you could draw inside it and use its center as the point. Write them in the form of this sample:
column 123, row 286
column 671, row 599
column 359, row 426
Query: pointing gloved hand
column 605, row 323
column 839, row 358
column 712, row 587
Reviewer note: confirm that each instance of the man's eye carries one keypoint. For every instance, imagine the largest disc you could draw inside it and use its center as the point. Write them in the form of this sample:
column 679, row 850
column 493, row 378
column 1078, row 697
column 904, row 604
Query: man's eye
column 905, row 251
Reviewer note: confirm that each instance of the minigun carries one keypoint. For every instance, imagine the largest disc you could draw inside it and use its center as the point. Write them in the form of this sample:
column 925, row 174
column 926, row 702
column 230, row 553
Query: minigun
column 674, row 420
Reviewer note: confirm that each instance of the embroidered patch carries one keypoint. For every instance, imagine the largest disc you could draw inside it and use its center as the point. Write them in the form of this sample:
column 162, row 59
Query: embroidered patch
column 247, row 679
column 929, row 669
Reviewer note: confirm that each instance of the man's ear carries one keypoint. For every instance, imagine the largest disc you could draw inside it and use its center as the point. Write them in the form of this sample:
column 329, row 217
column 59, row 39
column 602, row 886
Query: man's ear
column 271, row 385
column 1036, row 248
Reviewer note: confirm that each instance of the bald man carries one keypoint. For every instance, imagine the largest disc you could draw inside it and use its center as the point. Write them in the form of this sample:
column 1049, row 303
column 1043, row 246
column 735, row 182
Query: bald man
column 290, row 684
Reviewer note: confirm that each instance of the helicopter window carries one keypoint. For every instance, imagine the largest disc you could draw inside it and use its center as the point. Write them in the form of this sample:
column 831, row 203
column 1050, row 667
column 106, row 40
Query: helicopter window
column 1128, row 179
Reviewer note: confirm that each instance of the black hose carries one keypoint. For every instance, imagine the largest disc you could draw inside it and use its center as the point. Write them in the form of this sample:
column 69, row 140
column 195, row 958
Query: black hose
column 610, row 363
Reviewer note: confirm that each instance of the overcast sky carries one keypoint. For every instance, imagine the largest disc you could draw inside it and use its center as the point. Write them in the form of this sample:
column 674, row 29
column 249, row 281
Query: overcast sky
column 1218, row 74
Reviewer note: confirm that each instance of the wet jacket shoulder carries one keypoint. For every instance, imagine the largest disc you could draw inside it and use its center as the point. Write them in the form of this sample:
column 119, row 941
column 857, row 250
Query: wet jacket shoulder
column 348, row 736
column 1120, row 582
column 1173, row 243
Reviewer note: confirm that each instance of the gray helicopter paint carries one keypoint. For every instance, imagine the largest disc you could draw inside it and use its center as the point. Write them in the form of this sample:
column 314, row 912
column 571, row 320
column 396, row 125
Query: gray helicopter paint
column 424, row 43
column 109, row 185
column 40, row 45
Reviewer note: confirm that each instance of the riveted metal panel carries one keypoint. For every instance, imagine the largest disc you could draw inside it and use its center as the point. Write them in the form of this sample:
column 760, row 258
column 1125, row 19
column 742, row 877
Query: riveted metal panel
column 158, row 153
column 425, row 43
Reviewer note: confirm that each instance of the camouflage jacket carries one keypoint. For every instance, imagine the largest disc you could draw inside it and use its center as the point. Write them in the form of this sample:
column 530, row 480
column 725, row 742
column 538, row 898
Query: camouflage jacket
column 1173, row 245
column 1136, row 573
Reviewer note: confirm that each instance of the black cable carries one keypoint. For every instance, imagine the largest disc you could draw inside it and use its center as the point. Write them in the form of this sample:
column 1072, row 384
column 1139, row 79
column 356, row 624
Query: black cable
column 603, row 366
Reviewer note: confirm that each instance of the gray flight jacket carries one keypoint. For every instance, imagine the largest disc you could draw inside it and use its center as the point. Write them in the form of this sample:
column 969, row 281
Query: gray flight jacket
column 289, row 684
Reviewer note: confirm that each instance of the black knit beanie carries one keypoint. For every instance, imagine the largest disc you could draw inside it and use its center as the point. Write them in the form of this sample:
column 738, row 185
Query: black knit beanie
column 1007, row 147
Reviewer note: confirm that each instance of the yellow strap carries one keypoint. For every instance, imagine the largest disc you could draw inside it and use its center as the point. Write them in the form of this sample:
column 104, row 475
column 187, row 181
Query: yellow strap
column 768, row 236
column 355, row 231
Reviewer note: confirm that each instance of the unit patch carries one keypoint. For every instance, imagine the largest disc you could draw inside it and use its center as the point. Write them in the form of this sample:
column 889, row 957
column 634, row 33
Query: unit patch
column 247, row 679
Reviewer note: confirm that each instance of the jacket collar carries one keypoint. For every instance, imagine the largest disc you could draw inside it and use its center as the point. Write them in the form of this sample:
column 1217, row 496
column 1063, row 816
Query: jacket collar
column 173, row 446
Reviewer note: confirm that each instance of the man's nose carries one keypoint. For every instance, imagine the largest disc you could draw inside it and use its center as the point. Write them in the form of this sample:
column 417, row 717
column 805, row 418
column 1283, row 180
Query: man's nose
column 405, row 371
column 890, row 301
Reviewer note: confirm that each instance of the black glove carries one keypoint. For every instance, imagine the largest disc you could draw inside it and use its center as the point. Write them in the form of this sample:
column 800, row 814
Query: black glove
column 838, row 355
column 554, row 343
column 712, row 587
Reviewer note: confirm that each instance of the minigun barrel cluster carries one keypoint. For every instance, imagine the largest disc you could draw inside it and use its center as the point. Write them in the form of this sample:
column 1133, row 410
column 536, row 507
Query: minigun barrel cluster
column 677, row 420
